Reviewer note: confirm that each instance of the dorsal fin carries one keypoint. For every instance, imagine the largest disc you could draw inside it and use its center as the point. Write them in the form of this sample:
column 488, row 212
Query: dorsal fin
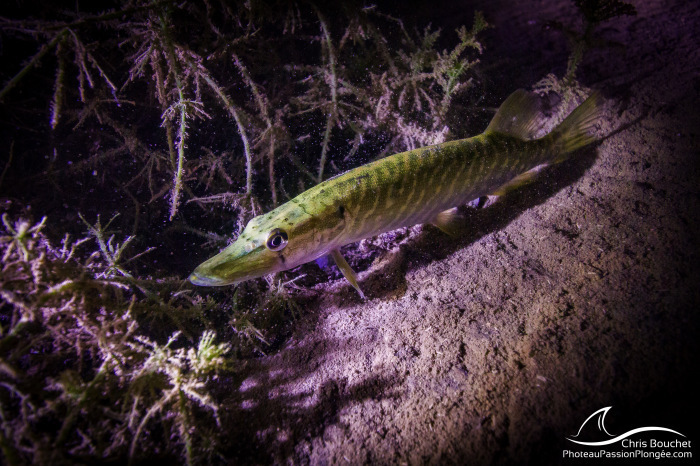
column 518, row 116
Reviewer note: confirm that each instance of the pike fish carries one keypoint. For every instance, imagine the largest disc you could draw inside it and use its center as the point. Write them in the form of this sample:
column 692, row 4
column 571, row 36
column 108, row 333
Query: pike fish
column 418, row 186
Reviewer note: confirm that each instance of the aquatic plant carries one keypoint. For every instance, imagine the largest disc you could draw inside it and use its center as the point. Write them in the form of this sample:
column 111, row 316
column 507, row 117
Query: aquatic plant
column 237, row 81
column 592, row 13
column 78, row 379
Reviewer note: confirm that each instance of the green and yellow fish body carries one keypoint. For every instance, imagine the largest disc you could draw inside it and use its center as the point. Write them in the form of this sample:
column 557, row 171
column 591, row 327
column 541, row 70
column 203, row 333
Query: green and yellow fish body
column 417, row 186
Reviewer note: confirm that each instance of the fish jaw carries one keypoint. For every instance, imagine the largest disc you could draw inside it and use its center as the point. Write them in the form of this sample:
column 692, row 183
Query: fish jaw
column 307, row 236
column 235, row 264
column 203, row 280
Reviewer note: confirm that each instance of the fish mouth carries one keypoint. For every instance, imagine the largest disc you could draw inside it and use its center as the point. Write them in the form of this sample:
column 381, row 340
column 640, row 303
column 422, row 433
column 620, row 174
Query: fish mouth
column 201, row 280
column 229, row 267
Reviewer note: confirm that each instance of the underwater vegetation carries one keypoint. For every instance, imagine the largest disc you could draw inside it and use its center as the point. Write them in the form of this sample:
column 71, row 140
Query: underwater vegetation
column 79, row 377
column 592, row 14
column 180, row 121
column 236, row 81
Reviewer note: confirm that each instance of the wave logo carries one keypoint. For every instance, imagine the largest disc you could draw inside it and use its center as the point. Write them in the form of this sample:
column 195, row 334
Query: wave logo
column 599, row 417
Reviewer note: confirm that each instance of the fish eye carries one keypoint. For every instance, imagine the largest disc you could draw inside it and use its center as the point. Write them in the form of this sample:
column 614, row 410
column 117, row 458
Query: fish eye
column 276, row 240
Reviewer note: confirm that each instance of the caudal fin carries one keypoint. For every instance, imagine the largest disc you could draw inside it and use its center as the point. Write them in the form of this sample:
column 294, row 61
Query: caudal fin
column 576, row 130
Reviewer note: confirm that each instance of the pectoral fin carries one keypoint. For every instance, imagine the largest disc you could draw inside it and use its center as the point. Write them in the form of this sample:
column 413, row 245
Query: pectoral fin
column 347, row 271
column 450, row 221
column 323, row 262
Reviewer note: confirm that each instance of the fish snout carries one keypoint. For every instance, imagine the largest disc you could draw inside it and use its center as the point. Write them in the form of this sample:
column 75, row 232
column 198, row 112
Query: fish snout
column 232, row 265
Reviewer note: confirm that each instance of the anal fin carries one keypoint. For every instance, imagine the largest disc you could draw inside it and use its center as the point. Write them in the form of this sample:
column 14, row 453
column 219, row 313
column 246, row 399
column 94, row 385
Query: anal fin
column 346, row 270
column 519, row 181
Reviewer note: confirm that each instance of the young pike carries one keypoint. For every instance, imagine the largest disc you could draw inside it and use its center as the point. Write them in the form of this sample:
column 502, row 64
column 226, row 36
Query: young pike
column 418, row 186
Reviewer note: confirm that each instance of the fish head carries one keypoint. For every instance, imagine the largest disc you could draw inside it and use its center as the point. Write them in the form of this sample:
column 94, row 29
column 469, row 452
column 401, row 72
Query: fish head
column 279, row 240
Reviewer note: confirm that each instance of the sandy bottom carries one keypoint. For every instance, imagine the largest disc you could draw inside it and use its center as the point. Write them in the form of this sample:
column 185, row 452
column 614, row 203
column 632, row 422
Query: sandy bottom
column 575, row 293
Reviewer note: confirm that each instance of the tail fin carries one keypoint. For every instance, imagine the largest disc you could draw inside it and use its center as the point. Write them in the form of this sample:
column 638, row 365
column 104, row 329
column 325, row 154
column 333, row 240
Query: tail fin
column 575, row 131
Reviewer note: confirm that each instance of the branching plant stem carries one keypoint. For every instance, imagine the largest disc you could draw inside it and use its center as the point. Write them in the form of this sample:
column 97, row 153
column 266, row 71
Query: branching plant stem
column 182, row 129
column 162, row 98
column 9, row 162
column 33, row 62
column 333, row 113
column 57, row 103
column 239, row 124
column 264, row 111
